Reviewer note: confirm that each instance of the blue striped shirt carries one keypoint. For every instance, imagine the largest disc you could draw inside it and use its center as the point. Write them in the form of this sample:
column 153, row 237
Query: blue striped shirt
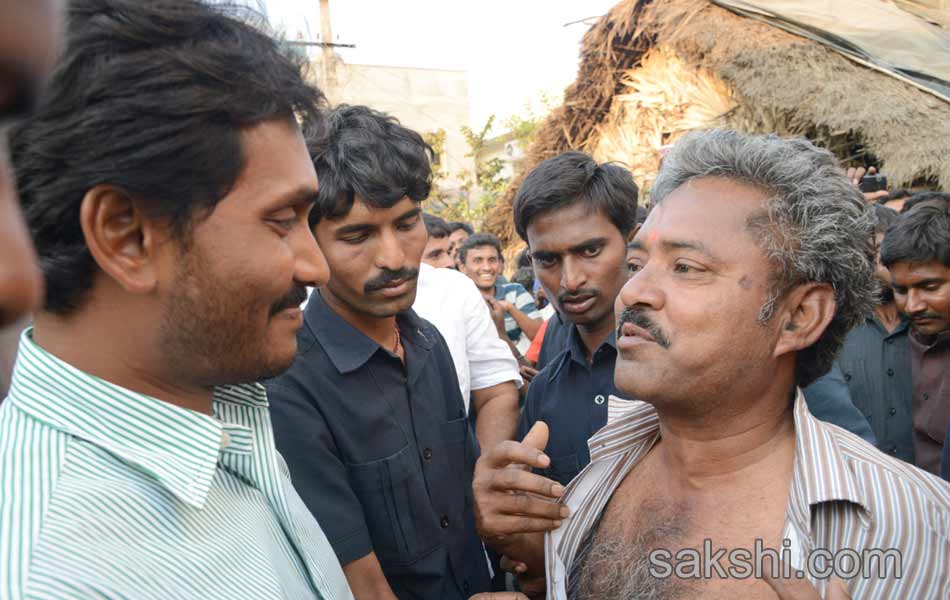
column 108, row 493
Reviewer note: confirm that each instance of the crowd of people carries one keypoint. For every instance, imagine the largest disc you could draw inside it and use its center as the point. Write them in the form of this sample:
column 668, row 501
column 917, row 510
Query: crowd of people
column 256, row 367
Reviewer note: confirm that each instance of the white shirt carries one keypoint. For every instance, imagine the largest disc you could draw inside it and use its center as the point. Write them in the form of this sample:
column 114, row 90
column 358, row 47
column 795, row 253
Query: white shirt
column 450, row 301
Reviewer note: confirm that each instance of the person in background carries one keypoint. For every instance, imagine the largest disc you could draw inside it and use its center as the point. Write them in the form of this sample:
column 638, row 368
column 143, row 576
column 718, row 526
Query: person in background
column 29, row 44
column 459, row 231
column 875, row 360
column 916, row 252
column 369, row 416
column 436, row 253
column 576, row 216
column 143, row 446
column 511, row 304
column 749, row 272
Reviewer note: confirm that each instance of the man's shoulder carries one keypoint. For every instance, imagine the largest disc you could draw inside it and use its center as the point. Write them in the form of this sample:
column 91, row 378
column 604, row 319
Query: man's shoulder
column 876, row 471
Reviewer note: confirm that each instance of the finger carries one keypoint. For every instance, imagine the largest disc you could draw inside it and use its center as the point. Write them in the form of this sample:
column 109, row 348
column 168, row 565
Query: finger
column 512, row 566
column 873, row 197
column 516, row 480
column 511, row 452
column 531, row 506
column 872, row 171
column 858, row 174
column 850, row 174
column 537, row 436
column 837, row 590
column 499, row 596
column 787, row 588
column 512, row 525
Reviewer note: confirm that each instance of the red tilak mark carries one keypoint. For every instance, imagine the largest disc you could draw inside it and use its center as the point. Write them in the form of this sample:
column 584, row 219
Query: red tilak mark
column 652, row 236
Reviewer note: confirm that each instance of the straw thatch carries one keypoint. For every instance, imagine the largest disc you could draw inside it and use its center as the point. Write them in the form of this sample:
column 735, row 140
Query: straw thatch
column 650, row 71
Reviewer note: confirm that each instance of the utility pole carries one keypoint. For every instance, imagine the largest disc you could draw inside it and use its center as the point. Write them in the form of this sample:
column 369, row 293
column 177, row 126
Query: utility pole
column 329, row 83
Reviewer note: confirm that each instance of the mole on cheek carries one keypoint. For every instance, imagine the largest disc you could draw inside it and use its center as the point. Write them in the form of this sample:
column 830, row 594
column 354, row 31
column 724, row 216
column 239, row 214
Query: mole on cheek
column 745, row 282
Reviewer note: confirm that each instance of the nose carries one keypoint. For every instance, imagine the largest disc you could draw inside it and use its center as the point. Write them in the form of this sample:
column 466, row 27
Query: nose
column 21, row 283
column 390, row 254
column 573, row 276
column 915, row 302
column 311, row 267
column 642, row 289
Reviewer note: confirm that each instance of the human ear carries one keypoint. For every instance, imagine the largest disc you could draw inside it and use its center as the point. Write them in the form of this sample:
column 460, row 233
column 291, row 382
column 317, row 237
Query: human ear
column 805, row 314
column 121, row 239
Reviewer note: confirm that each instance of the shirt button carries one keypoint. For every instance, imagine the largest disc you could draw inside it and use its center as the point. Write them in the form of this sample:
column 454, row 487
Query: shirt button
column 444, row 522
column 427, row 454
column 893, row 411
column 894, row 451
column 890, row 372
column 847, row 376
column 926, row 396
column 598, row 399
column 465, row 586
column 889, row 341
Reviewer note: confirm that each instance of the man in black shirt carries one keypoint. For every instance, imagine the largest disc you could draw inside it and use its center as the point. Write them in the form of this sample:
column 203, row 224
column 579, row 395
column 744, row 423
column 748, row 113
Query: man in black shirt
column 370, row 418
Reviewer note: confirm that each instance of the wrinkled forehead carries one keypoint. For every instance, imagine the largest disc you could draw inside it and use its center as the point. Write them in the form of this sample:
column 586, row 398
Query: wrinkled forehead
column 719, row 214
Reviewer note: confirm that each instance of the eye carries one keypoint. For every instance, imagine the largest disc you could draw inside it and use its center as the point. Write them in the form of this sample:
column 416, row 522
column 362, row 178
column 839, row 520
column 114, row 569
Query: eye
column 408, row 224
column 544, row 261
column 633, row 267
column 284, row 225
column 686, row 269
column 355, row 239
column 590, row 251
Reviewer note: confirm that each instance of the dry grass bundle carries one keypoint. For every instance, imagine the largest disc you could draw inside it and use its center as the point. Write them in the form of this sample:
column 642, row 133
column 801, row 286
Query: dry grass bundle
column 651, row 69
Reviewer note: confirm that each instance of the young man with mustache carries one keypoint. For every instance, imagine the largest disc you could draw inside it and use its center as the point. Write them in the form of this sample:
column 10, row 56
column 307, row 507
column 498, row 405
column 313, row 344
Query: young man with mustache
column 370, row 416
column 753, row 265
column 136, row 451
column 916, row 252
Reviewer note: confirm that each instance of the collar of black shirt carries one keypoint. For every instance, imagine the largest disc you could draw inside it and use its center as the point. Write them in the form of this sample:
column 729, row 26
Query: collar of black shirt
column 348, row 347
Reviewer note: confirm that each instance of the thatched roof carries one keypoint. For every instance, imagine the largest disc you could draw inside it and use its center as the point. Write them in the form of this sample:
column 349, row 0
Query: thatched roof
column 780, row 82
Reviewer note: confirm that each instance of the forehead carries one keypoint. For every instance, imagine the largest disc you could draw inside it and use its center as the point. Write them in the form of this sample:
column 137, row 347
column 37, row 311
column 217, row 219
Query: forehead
column 563, row 228
column 482, row 252
column 363, row 213
column 909, row 273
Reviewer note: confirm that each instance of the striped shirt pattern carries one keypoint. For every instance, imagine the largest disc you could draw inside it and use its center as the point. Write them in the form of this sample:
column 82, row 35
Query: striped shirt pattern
column 845, row 494
column 108, row 493
column 521, row 299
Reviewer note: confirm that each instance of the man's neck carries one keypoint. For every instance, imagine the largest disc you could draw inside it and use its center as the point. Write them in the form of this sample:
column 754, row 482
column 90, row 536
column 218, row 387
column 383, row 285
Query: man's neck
column 722, row 444
column 381, row 330
column 888, row 315
column 487, row 292
column 593, row 336
column 127, row 360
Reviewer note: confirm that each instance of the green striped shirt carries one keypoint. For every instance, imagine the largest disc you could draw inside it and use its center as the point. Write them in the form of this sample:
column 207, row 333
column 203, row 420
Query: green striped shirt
column 108, row 493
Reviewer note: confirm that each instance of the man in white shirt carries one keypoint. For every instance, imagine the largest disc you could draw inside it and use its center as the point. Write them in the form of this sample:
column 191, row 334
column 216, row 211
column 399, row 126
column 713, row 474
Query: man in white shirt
column 487, row 372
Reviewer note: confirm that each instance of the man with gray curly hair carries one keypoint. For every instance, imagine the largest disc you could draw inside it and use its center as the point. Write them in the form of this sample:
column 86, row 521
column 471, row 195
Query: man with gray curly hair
column 718, row 482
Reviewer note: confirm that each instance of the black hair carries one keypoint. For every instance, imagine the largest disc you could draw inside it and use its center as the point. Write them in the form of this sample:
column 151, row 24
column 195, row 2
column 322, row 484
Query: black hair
column 466, row 227
column 151, row 98
column 477, row 241
column 523, row 259
column 921, row 234
column 436, row 227
column 363, row 152
column 524, row 276
column 884, row 217
column 575, row 177
column 919, row 197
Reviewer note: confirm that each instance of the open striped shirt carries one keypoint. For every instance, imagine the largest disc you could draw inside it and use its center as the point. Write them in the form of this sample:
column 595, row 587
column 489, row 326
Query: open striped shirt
column 845, row 494
column 108, row 493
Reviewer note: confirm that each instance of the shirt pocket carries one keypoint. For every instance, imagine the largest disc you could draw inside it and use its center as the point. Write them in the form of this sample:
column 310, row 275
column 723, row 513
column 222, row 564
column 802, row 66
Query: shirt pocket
column 402, row 524
column 563, row 469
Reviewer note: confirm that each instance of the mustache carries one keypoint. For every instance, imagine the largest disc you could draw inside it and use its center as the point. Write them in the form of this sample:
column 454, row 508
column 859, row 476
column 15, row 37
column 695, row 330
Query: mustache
column 572, row 296
column 638, row 317
column 294, row 299
column 388, row 277
column 924, row 315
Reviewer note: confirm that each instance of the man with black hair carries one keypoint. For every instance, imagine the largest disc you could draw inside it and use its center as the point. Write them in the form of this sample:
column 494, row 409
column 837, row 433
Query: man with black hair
column 436, row 253
column 875, row 360
column 916, row 252
column 458, row 233
column 142, row 452
column 369, row 416
column 29, row 44
column 512, row 306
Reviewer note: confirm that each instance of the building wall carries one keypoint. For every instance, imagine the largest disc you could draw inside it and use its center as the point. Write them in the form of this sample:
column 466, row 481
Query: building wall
column 422, row 99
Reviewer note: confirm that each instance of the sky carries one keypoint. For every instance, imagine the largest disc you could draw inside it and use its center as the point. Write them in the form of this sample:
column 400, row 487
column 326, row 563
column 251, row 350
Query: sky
column 515, row 51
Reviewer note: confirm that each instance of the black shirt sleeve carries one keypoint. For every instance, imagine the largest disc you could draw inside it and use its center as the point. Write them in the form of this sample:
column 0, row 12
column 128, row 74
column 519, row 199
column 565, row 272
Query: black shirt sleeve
column 317, row 472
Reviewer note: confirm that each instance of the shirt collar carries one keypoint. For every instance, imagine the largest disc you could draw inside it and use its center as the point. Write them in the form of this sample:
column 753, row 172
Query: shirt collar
column 179, row 448
column 821, row 472
column 348, row 347
column 577, row 349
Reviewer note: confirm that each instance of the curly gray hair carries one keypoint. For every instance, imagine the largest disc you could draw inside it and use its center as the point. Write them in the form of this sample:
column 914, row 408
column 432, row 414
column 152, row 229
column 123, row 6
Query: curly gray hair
column 816, row 226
